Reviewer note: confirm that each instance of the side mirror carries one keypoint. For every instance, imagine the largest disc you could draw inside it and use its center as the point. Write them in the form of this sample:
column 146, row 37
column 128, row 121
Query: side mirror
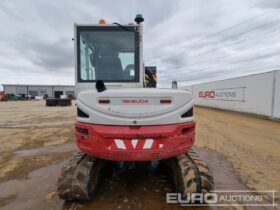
column 100, row 86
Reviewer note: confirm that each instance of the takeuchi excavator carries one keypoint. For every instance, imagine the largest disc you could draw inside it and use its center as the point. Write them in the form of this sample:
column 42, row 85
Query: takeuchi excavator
column 122, row 116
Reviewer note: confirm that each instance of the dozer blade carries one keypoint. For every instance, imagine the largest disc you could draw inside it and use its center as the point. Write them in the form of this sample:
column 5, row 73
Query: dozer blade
column 79, row 177
column 190, row 174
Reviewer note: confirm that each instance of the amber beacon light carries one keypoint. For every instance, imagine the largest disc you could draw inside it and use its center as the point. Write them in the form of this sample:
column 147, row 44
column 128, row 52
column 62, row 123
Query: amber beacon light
column 102, row 21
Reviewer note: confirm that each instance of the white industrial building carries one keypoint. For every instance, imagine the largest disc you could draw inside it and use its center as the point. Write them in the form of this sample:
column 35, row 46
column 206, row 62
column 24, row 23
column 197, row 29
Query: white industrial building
column 53, row 91
column 256, row 94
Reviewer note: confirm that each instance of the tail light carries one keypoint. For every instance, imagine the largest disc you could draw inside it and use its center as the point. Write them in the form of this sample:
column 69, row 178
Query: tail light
column 104, row 101
column 165, row 101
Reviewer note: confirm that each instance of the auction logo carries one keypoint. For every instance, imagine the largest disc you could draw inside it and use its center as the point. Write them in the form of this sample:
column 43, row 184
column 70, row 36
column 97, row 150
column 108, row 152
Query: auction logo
column 207, row 94
column 225, row 94
column 224, row 198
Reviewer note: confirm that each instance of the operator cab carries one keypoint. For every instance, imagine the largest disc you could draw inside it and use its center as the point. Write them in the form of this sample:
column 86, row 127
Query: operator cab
column 109, row 52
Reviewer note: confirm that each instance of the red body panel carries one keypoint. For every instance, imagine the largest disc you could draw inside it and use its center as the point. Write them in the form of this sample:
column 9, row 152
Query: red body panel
column 135, row 143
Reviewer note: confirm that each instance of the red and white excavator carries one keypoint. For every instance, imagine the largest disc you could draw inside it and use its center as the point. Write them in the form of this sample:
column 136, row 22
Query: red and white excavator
column 121, row 118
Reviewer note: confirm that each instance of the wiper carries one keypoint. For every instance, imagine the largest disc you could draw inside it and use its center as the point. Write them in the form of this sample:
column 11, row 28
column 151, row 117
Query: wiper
column 123, row 27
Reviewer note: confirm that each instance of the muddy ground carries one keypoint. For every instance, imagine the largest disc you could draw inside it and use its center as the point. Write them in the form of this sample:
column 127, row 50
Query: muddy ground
column 242, row 151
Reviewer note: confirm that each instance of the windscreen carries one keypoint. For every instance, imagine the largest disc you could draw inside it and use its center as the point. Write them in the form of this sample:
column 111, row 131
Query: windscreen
column 108, row 55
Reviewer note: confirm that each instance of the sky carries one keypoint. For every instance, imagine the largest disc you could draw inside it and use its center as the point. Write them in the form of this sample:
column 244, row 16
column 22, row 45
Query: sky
column 190, row 41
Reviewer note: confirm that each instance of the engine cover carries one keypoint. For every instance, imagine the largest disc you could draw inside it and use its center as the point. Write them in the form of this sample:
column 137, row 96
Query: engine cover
column 139, row 106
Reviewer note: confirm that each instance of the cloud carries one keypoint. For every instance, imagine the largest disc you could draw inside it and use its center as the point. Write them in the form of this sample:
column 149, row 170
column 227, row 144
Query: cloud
column 190, row 41
column 247, row 44
column 270, row 4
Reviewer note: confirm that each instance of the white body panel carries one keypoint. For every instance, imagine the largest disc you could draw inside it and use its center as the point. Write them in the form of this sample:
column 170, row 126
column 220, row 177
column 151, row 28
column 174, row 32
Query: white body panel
column 256, row 94
column 149, row 113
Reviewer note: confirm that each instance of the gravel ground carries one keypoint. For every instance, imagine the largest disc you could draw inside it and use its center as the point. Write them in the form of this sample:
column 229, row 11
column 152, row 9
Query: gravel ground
column 242, row 151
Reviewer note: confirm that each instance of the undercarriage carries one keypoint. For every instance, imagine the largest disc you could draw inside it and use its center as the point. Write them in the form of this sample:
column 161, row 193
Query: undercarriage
column 81, row 175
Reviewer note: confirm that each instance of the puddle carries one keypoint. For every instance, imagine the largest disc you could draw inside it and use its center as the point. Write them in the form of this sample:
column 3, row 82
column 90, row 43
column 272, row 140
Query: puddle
column 46, row 150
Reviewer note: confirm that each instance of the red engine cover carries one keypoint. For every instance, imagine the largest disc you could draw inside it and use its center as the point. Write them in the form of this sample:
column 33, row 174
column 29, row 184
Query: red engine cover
column 135, row 143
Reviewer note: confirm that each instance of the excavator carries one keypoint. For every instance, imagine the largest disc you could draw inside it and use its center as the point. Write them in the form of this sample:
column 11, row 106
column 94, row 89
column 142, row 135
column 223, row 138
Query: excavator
column 123, row 117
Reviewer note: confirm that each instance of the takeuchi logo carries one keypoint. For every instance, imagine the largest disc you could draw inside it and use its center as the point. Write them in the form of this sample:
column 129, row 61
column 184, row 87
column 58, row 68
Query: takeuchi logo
column 135, row 101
